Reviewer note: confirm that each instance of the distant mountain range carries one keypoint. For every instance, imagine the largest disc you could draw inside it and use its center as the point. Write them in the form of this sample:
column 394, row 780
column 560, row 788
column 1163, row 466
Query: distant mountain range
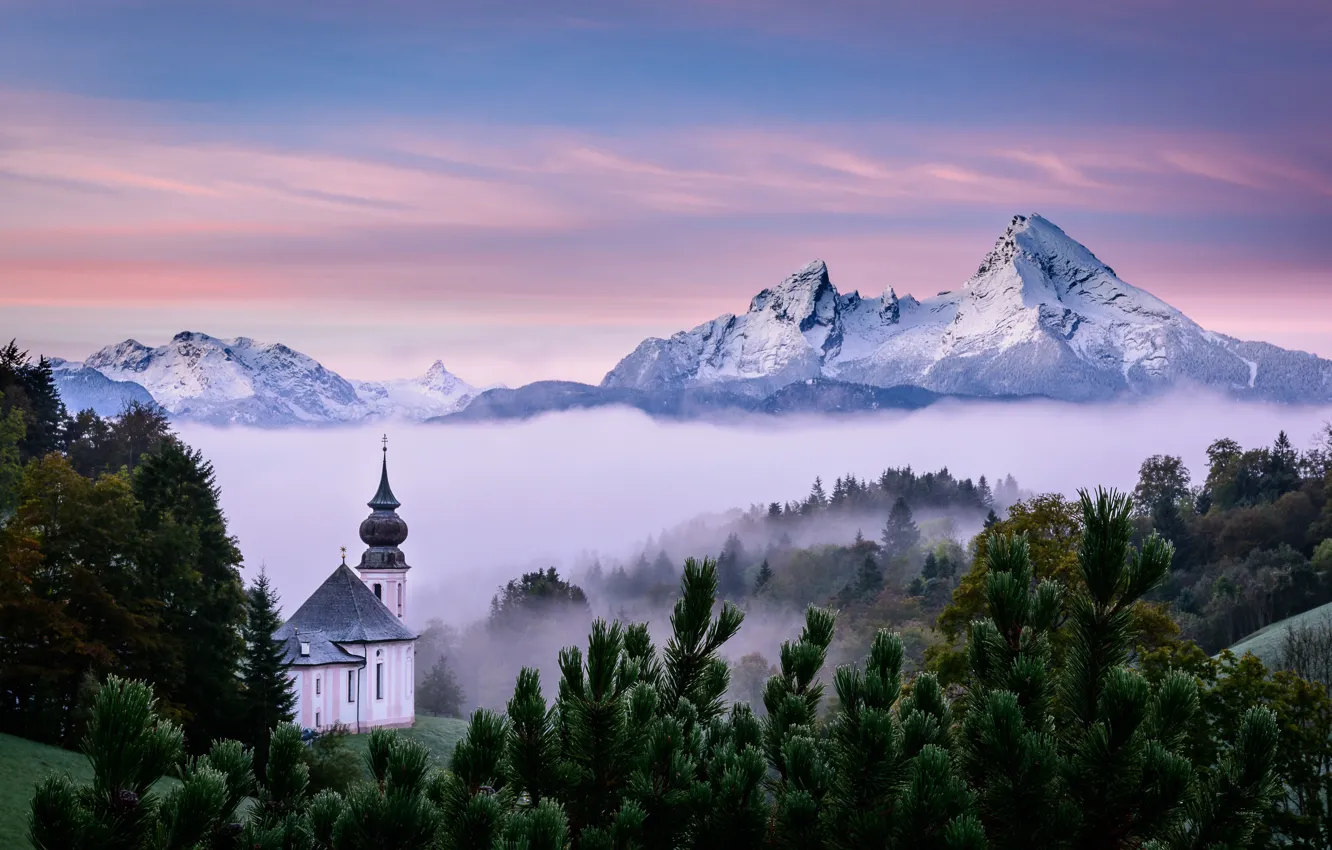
column 1042, row 316
column 240, row 381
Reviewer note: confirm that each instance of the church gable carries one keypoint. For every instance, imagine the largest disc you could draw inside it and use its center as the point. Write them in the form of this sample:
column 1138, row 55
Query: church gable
column 344, row 610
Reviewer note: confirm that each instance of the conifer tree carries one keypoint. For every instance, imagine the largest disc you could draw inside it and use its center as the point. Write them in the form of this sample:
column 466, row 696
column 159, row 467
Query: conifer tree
column 818, row 499
column 439, row 693
column 269, row 700
column 763, row 578
column 900, row 533
column 12, row 430
column 1086, row 754
column 190, row 562
column 129, row 749
column 984, row 493
column 930, row 569
column 869, row 578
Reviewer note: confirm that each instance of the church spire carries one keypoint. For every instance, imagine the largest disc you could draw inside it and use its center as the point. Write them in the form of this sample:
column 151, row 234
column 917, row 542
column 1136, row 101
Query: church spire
column 384, row 500
column 383, row 531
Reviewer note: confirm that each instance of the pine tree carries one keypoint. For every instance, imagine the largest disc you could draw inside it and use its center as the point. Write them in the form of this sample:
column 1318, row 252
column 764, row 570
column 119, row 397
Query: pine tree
column 764, row 576
column 731, row 568
column 440, row 694
column 991, row 520
column 663, row 569
column 1085, row 754
column 900, row 533
column 869, row 578
column 985, row 494
column 818, row 500
column 269, row 701
column 130, row 749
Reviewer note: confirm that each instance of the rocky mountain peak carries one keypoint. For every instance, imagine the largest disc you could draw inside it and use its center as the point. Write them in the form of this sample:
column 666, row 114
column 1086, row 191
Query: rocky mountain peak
column 806, row 298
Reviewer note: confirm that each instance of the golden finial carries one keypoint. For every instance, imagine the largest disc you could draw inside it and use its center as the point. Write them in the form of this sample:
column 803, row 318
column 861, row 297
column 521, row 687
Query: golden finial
column 344, row 555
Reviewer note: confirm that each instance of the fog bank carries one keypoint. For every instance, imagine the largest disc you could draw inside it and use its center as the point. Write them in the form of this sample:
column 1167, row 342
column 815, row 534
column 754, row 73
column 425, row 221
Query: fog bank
column 485, row 502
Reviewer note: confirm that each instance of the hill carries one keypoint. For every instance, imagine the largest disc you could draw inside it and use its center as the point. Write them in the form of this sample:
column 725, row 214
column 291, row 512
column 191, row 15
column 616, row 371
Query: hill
column 1266, row 642
column 22, row 764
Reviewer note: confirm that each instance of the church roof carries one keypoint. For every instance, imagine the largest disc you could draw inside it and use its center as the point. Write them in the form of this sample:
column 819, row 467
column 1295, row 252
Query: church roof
column 321, row 651
column 384, row 500
column 344, row 610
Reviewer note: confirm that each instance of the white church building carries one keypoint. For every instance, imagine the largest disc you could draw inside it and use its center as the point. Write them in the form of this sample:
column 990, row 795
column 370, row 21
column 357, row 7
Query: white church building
column 349, row 654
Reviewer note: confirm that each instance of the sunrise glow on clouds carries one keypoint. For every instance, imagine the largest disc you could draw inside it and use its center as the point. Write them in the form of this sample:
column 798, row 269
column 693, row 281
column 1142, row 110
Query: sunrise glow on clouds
column 526, row 195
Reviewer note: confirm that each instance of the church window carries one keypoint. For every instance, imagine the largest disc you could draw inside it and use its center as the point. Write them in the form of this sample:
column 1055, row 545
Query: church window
column 399, row 600
column 379, row 680
column 379, row 591
column 316, row 720
column 318, row 686
column 351, row 686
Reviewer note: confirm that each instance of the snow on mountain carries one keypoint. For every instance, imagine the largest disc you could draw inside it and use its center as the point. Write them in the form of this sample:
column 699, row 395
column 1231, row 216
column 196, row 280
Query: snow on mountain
column 1041, row 316
column 82, row 388
column 241, row 381
column 436, row 393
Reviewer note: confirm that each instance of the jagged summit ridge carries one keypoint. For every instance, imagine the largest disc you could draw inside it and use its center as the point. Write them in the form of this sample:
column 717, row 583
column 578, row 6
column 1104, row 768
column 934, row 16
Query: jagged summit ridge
column 243, row 381
column 1042, row 315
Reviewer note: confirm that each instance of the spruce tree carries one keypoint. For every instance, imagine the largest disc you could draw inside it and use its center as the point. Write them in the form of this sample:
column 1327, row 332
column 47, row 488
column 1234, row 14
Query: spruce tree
column 900, row 533
column 763, row 578
column 269, row 700
column 869, row 578
column 192, row 564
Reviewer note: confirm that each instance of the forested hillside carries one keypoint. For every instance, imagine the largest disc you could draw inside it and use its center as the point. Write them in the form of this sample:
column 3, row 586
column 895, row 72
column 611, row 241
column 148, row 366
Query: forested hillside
column 114, row 557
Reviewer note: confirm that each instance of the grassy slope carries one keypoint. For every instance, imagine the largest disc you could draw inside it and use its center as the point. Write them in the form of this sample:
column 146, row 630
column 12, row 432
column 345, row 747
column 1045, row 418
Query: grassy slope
column 22, row 764
column 438, row 734
column 1266, row 642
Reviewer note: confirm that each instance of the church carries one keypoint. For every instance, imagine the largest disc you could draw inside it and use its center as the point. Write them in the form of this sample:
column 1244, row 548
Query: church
column 347, row 650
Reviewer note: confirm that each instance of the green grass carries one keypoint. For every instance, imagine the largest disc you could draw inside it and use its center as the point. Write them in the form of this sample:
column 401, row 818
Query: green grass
column 438, row 734
column 1266, row 642
column 22, row 764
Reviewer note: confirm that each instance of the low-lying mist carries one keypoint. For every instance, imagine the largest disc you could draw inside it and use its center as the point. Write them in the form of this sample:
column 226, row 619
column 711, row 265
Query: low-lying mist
column 485, row 502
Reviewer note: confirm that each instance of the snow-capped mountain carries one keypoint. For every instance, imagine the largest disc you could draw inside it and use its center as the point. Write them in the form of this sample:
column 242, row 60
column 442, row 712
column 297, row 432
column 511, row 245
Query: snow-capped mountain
column 436, row 393
column 1041, row 316
column 199, row 377
column 82, row 388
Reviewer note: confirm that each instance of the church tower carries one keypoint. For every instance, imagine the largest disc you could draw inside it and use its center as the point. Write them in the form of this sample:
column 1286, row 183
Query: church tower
column 383, row 567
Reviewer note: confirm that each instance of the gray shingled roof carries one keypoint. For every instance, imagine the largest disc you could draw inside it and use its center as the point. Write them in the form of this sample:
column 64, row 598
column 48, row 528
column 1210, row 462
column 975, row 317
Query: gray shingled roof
column 344, row 610
column 322, row 651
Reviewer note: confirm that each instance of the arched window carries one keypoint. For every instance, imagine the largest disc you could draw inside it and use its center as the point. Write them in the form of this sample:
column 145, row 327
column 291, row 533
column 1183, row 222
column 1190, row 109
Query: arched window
column 379, row 591
column 399, row 599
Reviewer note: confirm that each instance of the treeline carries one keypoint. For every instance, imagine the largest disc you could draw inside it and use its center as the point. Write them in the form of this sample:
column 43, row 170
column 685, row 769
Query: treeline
column 115, row 558
column 772, row 534
column 1253, row 539
column 1052, row 741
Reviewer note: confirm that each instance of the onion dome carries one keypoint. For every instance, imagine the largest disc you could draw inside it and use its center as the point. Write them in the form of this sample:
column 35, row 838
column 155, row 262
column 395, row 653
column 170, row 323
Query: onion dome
column 383, row 531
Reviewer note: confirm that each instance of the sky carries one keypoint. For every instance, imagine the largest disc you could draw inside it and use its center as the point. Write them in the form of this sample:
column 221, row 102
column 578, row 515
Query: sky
column 526, row 189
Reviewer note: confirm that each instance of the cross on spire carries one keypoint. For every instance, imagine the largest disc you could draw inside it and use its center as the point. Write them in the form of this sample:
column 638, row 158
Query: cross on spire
column 344, row 555
column 385, row 442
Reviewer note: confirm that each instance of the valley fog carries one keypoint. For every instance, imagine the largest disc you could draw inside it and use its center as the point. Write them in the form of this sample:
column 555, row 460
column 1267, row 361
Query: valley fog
column 486, row 502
